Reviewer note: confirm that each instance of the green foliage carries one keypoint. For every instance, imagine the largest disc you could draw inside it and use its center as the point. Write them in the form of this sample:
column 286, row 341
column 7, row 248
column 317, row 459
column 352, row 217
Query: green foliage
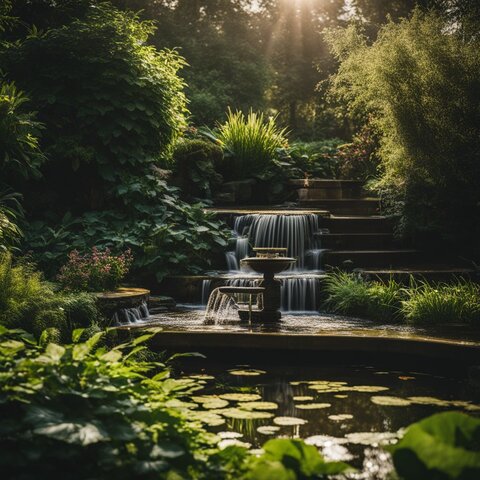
column 20, row 154
column 315, row 159
column 96, row 409
column 250, row 144
column 165, row 234
column 444, row 446
column 195, row 162
column 110, row 103
column 419, row 82
column 443, row 303
column 10, row 213
column 286, row 459
column 81, row 309
column 418, row 303
column 349, row 294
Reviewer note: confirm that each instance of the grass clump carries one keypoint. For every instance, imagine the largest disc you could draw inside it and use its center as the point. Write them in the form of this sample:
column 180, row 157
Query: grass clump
column 250, row 143
column 417, row 303
column 443, row 303
column 350, row 294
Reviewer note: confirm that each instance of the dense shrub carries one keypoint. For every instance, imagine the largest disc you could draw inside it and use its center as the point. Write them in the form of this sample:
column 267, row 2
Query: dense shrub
column 195, row 167
column 419, row 81
column 10, row 214
column 20, row 155
column 165, row 234
column 111, row 104
column 27, row 301
column 95, row 271
column 250, row 144
column 444, row 303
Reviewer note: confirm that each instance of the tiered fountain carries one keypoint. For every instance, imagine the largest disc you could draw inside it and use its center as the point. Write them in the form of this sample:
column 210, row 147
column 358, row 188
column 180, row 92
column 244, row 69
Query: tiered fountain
column 274, row 237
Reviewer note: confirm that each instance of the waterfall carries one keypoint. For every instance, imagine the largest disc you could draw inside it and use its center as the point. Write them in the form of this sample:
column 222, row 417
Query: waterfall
column 221, row 308
column 314, row 258
column 300, row 294
column 206, row 287
column 232, row 262
column 294, row 232
column 125, row 316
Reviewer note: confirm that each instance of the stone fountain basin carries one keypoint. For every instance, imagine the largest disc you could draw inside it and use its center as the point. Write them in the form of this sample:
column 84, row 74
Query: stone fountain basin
column 269, row 266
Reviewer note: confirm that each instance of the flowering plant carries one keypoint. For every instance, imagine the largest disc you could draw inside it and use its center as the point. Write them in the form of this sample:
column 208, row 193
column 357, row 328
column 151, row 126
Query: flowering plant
column 95, row 271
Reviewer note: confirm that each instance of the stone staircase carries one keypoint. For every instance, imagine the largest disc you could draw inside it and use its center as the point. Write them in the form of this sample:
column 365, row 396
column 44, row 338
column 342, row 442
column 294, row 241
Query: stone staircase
column 357, row 236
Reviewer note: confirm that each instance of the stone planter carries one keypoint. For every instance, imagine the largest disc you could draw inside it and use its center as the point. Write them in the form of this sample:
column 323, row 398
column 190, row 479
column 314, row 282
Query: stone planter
column 121, row 298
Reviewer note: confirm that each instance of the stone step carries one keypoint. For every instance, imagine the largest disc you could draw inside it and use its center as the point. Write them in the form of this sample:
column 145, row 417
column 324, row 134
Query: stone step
column 372, row 258
column 357, row 241
column 315, row 188
column 345, row 206
column 357, row 224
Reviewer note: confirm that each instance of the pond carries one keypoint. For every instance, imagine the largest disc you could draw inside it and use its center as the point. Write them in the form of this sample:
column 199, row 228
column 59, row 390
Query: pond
column 347, row 411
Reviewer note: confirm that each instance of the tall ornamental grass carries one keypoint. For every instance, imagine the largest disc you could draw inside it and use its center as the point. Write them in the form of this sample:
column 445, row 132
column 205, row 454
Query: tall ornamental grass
column 250, row 143
column 443, row 303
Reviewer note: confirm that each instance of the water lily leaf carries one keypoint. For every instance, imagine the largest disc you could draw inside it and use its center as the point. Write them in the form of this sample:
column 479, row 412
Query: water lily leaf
column 371, row 438
column 247, row 372
column 304, row 398
column 268, row 429
column 243, row 414
column 368, row 388
column 69, row 432
column 289, row 421
column 341, row 396
column 225, row 435
column 324, row 440
column 209, row 418
column 176, row 403
column 390, row 401
column 258, row 405
column 233, row 442
column 444, row 445
column 340, row 417
column 430, row 401
column 202, row 377
column 241, row 397
column 313, row 406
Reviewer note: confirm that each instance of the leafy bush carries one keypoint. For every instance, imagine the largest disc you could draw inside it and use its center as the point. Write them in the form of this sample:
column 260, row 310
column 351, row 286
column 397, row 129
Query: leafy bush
column 250, row 144
column 315, row 159
column 359, row 160
column 20, row 154
column 349, row 294
column 10, row 212
column 443, row 446
column 195, row 163
column 96, row 271
column 165, row 234
column 111, row 104
column 81, row 309
column 444, row 303
column 419, row 82
column 291, row 459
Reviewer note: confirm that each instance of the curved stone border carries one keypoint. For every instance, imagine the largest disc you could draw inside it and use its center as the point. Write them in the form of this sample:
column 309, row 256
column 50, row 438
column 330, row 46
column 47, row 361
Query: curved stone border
column 110, row 302
column 455, row 351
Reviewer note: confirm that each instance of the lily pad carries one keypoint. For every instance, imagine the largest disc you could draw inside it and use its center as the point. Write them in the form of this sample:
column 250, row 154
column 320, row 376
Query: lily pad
column 209, row 418
column 202, row 377
column 258, row 405
column 341, row 396
column 289, row 421
column 313, row 406
column 368, row 388
column 251, row 372
column 233, row 442
column 304, row 398
column 371, row 438
column 243, row 414
column 390, row 401
column 241, row 397
column 268, row 430
column 225, row 435
column 430, row 401
column 322, row 441
column 340, row 417
column 175, row 403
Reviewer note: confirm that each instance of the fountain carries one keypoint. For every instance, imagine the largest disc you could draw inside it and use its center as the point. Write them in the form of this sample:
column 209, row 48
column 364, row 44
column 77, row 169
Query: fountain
column 298, row 234
column 268, row 262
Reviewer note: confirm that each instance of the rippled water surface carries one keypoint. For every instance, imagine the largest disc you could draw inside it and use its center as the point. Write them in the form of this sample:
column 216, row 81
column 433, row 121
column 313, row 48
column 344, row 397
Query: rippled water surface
column 347, row 411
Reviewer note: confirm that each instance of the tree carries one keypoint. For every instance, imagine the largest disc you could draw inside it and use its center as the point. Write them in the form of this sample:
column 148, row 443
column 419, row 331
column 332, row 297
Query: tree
column 420, row 82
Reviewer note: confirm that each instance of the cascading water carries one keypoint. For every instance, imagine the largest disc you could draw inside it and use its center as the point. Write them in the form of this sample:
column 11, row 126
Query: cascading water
column 296, row 232
column 126, row 316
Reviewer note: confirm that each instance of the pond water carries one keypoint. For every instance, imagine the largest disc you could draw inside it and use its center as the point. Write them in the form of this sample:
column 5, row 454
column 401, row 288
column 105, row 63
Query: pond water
column 191, row 319
column 347, row 411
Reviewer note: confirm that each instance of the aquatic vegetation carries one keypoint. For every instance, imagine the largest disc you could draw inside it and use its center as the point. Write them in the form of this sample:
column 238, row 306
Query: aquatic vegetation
column 390, row 401
column 312, row 406
column 340, row 417
column 289, row 421
column 251, row 372
column 445, row 445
